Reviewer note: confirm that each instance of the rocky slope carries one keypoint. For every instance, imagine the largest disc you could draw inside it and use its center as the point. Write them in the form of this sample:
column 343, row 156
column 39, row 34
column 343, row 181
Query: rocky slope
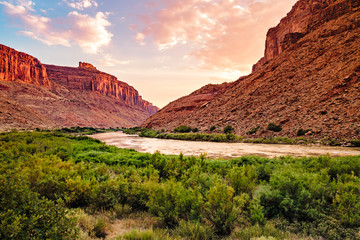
column 309, row 78
column 36, row 95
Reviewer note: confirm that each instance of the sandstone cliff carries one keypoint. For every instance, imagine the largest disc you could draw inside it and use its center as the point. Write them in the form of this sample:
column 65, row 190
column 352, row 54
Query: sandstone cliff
column 87, row 78
column 309, row 78
column 36, row 95
column 16, row 65
column 304, row 17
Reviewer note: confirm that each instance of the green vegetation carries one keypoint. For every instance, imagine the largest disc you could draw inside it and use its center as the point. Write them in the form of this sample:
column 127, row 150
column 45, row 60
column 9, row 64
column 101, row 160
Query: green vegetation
column 212, row 128
column 59, row 186
column 302, row 132
column 228, row 129
column 182, row 129
column 254, row 130
column 273, row 127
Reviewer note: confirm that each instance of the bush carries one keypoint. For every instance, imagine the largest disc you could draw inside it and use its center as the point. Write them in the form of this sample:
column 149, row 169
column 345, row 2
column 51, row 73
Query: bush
column 355, row 143
column 254, row 130
column 195, row 130
column 183, row 129
column 212, row 128
column 228, row 129
column 273, row 127
column 302, row 132
column 242, row 179
column 171, row 202
column 26, row 216
column 220, row 209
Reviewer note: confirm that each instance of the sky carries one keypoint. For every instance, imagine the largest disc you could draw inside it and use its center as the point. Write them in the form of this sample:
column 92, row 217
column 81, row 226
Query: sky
column 166, row 49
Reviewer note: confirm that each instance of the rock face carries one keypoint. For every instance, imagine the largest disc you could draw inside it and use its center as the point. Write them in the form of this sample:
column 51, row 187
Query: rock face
column 86, row 66
column 87, row 78
column 309, row 78
column 304, row 17
column 36, row 95
column 16, row 65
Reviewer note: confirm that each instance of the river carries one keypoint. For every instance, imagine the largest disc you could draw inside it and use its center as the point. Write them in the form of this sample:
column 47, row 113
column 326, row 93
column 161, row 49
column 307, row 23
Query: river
column 219, row 150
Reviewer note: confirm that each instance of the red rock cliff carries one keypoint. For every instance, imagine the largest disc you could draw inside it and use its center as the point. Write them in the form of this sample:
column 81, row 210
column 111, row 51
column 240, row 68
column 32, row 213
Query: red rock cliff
column 304, row 17
column 16, row 65
column 89, row 79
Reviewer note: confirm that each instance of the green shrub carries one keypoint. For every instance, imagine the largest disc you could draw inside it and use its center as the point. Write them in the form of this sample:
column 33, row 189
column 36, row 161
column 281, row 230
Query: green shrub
column 302, row 132
column 273, row 127
column 242, row 179
column 254, row 130
column 220, row 209
column 355, row 143
column 228, row 129
column 171, row 202
column 195, row 130
column 212, row 128
column 182, row 129
column 26, row 216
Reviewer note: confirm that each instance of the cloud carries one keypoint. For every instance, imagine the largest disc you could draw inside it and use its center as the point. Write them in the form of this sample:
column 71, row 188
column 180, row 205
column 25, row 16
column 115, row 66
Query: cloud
column 81, row 4
column 222, row 33
column 90, row 33
column 109, row 61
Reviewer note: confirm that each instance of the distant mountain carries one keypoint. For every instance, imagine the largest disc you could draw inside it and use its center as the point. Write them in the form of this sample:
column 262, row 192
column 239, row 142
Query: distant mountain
column 36, row 95
column 309, row 78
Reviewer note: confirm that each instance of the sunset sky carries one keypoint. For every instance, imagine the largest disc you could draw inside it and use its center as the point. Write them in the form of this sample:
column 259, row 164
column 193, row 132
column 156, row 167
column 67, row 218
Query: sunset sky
column 164, row 48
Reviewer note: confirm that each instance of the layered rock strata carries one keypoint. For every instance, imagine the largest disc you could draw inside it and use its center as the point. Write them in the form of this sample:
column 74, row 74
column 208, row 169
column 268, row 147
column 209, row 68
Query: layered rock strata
column 16, row 65
column 36, row 95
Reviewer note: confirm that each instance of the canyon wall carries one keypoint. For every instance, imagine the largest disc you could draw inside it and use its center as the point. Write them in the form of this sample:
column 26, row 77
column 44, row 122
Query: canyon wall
column 304, row 17
column 309, row 78
column 16, row 65
column 87, row 78
column 45, row 96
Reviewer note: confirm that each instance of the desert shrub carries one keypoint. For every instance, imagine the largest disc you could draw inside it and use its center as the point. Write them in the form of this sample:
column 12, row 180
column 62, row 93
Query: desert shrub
column 24, row 215
column 182, row 129
column 195, row 130
column 171, row 202
column 148, row 133
column 274, row 127
column 228, row 129
column 212, row 128
column 194, row 231
column 242, row 179
column 302, row 132
column 218, row 138
column 254, row 130
column 346, row 201
column 220, row 209
column 257, row 215
column 295, row 194
column 355, row 143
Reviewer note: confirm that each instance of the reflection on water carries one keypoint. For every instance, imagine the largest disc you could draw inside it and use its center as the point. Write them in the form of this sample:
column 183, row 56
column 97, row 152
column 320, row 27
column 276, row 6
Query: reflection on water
column 218, row 150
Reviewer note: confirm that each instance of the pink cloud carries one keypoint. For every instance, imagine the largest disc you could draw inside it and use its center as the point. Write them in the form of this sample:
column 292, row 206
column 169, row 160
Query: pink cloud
column 223, row 33
column 81, row 4
column 88, row 32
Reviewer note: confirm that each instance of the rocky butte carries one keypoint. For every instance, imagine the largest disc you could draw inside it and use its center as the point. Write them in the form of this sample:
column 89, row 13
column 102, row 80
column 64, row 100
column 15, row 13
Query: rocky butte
column 36, row 95
column 309, row 78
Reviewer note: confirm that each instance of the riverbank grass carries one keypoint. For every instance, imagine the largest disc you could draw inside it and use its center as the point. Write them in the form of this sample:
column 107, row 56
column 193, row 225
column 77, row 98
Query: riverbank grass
column 60, row 186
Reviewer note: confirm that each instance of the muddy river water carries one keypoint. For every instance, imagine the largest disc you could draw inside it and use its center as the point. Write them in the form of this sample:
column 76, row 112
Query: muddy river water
column 219, row 150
